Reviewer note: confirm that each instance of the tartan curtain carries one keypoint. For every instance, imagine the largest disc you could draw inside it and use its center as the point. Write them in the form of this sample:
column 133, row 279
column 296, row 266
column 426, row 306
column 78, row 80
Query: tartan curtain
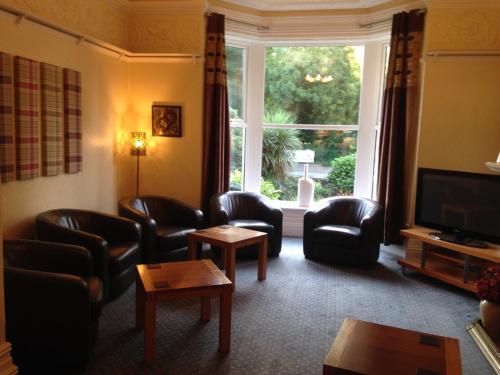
column 216, row 134
column 27, row 90
column 52, row 119
column 399, row 121
column 72, row 122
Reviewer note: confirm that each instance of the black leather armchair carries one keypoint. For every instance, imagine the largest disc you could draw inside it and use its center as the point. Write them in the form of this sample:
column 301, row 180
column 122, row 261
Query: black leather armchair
column 344, row 230
column 251, row 211
column 52, row 305
column 113, row 241
column 165, row 223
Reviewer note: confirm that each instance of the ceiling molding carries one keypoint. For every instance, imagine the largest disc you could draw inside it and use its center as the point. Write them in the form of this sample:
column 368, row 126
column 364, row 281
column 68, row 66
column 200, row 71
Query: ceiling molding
column 328, row 27
column 462, row 4
column 270, row 5
column 162, row 6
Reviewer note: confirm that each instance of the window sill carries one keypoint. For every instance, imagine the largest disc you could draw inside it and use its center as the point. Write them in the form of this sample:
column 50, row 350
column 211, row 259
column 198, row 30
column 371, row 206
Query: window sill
column 292, row 206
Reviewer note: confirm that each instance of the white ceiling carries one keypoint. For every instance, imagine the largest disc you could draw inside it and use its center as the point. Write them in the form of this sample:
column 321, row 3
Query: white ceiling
column 274, row 5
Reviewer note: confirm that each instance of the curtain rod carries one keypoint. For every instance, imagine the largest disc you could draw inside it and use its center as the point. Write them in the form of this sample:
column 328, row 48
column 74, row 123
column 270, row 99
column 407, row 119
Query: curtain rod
column 437, row 54
column 80, row 38
column 386, row 20
column 259, row 27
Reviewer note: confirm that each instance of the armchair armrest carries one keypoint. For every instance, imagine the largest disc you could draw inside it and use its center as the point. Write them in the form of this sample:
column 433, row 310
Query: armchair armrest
column 116, row 228
column 372, row 225
column 313, row 218
column 97, row 246
column 48, row 257
column 268, row 210
column 218, row 214
column 148, row 230
column 183, row 213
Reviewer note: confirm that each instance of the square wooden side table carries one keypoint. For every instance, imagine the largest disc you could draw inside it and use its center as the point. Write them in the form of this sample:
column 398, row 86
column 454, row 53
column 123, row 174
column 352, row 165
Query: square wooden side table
column 165, row 281
column 230, row 239
column 368, row 348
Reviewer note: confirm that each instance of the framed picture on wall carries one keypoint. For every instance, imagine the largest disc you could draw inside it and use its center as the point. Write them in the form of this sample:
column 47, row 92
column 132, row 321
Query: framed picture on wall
column 167, row 120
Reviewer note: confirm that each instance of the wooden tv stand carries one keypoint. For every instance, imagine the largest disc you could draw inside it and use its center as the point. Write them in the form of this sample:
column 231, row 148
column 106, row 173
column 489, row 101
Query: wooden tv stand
column 452, row 263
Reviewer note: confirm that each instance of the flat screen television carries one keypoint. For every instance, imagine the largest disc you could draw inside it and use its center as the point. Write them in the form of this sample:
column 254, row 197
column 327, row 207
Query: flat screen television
column 464, row 206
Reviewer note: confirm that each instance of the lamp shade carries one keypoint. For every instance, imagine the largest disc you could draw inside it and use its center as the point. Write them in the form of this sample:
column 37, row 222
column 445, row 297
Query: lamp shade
column 138, row 144
column 304, row 156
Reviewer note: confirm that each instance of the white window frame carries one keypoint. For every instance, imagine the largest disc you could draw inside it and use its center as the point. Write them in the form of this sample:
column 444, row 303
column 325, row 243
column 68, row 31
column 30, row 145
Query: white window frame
column 242, row 123
column 368, row 119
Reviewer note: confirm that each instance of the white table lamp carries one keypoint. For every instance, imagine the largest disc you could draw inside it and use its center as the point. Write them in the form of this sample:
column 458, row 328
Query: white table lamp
column 494, row 166
column 305, row 192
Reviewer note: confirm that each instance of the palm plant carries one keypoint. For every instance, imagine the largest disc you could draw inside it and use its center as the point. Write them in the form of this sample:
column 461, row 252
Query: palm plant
column 278, row 145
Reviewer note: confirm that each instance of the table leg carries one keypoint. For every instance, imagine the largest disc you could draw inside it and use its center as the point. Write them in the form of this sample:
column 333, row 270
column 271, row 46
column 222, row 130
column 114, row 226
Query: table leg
column 191, row 251
column 466, row 268
column 230, row 264
column 222, row 262
column 262, row 259
column 139, row 302
column 205, row 309
column 225, row 319
column 150, row 329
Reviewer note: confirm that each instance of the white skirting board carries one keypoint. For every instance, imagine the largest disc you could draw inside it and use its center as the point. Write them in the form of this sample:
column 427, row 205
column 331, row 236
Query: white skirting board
column 293, row 220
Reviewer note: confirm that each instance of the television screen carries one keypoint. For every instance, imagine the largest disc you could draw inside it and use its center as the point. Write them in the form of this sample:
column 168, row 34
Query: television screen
column 467, row 204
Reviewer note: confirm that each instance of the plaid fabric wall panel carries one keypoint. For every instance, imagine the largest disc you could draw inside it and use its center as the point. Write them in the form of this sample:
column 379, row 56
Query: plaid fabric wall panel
column 7, row 151
column 51, row 81
column 27, row 88
column 72, row 122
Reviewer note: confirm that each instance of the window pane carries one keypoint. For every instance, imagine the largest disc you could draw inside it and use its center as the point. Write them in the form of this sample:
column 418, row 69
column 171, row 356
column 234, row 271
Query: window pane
column 237, row 142
column 313, row 85
column 333, row 168
column 235, row 66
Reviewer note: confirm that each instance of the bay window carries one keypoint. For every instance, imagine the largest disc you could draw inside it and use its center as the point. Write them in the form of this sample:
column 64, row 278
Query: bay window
column 287, row 98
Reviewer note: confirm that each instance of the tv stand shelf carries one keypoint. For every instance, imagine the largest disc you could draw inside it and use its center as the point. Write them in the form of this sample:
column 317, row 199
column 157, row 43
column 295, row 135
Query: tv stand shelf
column 446, row 261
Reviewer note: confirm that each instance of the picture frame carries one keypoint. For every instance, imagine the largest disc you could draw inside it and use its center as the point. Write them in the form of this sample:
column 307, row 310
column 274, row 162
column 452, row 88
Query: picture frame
column 167, row 120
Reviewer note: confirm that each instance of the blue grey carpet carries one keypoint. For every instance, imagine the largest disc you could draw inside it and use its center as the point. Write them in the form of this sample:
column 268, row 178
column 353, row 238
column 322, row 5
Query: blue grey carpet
column 286, row 324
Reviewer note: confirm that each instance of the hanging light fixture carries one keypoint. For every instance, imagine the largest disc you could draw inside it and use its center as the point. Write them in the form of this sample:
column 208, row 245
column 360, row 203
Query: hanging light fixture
column 318, row 78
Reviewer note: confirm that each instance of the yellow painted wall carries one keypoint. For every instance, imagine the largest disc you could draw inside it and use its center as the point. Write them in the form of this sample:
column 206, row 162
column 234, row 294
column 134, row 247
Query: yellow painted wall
column 103, row 20
column 460, row 112
column 172, row 166
column 104, row 101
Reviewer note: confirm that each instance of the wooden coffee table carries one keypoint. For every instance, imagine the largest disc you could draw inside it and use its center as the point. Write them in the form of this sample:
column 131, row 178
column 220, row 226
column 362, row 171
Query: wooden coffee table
column 230, row 239
column 164, row 281
column 369, row 348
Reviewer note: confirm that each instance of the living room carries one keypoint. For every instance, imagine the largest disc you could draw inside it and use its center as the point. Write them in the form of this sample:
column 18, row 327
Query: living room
column 155, row 55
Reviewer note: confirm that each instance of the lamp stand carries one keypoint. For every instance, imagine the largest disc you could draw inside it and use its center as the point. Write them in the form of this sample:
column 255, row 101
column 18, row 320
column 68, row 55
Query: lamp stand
column 306, row 188
column 137, row 178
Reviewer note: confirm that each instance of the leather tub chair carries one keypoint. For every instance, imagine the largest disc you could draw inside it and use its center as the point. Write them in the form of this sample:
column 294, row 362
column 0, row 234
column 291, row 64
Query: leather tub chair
column 165, row 223
column 344, row 230
column 52, row 305
column 113, row 241
column 251, row 211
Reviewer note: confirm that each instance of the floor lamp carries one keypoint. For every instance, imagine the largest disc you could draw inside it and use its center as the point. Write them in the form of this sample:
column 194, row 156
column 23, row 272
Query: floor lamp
column 138, row 149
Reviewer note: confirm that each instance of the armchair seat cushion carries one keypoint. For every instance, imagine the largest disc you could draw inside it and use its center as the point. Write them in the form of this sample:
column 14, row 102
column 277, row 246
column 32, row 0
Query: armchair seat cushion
column 122, row 256
column 337, row 235
column 258, row 225
column 172, row 237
